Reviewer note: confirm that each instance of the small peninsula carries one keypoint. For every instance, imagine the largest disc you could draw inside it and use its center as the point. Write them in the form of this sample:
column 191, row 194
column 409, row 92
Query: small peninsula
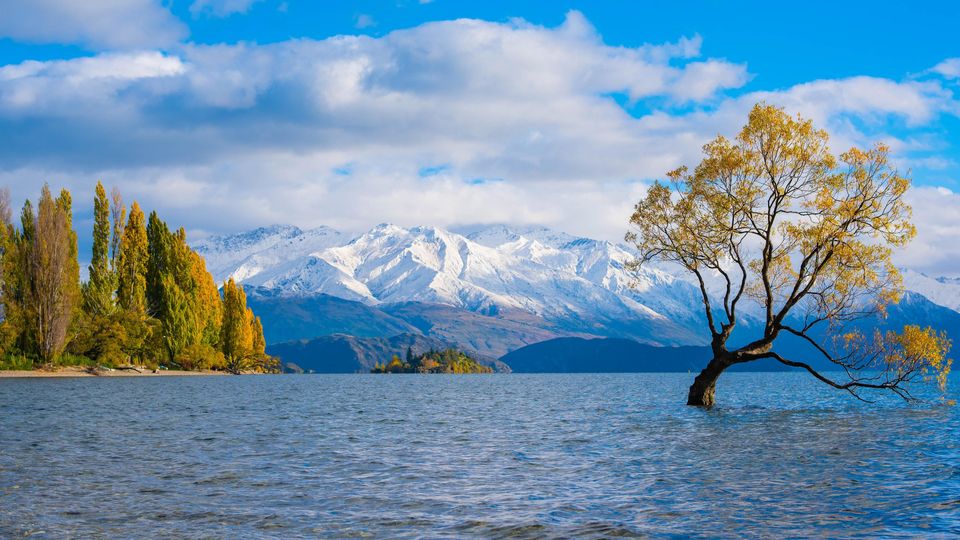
column 446, row 361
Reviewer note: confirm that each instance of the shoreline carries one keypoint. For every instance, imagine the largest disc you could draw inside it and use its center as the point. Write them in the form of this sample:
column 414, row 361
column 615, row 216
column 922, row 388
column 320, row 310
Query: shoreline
column 76, row 371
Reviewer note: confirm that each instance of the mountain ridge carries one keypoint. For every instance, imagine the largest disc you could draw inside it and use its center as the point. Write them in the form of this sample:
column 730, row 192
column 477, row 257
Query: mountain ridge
column 578, row 285
column 489, row 289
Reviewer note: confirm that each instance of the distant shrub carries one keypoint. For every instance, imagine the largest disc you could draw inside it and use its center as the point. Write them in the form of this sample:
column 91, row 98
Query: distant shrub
column 15, row 362
column 447, row 361
column 200, row 356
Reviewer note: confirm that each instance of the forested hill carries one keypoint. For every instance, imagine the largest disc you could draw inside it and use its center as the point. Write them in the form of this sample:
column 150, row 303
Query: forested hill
column 149, row 299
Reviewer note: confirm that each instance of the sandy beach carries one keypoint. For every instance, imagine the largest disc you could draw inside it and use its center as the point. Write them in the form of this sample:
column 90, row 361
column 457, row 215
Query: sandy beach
column 75, row 371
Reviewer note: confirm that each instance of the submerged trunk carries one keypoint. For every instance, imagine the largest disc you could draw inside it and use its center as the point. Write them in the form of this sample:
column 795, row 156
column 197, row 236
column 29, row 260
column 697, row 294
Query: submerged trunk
column 704, row 386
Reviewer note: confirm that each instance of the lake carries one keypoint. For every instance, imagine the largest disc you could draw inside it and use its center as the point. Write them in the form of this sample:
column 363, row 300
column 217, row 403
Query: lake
column 471, row 456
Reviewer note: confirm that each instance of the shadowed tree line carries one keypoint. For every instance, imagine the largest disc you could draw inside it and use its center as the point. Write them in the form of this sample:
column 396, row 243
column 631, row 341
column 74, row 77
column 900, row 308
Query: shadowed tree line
column 149, row 300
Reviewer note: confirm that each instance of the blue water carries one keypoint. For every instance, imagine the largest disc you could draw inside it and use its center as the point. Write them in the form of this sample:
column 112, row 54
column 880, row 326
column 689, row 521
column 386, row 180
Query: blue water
column 470, row 456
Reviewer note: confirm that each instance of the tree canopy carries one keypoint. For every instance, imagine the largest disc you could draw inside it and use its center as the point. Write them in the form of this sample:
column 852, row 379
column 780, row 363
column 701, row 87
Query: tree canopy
column 446, row 361
column 149, row 299
column 780, row 221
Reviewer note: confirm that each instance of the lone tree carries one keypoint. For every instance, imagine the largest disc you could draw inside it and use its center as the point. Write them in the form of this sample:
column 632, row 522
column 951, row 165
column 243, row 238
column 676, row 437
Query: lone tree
column 775, row 218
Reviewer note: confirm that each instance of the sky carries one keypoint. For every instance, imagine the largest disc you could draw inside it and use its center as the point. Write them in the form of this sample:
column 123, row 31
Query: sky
column 226, row 115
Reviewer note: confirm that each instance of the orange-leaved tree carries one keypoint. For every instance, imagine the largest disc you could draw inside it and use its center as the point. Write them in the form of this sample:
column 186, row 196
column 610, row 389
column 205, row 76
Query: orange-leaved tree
column 776, row 219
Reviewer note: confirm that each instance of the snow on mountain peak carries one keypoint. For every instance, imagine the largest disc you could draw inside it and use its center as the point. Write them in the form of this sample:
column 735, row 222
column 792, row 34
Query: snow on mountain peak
column 944, row 291
column 553, row 275
column 245, row 256
column 562, row 278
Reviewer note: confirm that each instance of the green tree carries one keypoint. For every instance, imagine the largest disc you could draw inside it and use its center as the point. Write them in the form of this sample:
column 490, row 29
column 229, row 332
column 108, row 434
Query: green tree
column 259, row 347
column 191, row 294
column 176, row 321
column 159, row 242
column 149, row 298
column 7, row 257
column 208, row 302
column 233, row 328
column 132, row 263
column 99, row 290
column 17, row 330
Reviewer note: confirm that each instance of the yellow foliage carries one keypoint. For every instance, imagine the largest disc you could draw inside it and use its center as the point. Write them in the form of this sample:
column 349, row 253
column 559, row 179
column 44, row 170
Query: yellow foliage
column 807, row 235
column 132, row 263
column 922, row 350
column 798, row 222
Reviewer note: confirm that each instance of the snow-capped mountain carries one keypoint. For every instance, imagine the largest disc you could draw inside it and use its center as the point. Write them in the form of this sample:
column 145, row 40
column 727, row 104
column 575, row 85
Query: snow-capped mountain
column 603, row 264
column 577, row 283
column 244, row 256
column 943, row 291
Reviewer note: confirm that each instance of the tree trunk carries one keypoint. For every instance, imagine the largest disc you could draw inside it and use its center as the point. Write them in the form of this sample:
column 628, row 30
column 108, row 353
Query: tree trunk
column 704, row 386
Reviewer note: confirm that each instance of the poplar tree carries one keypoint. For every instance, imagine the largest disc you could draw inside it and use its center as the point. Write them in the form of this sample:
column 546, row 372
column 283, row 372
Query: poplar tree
column 132, row 263
column 98, row 293
column 16, row 286
column 118, row 214
column 178, row 301
column 53, row 275
column 6, row 239
column 149, row 296
column 71, row 284
column 7, row 251
column 209, row 309
column 177, row 320
column 158, row 265
column 235, row 337
column 259, row 345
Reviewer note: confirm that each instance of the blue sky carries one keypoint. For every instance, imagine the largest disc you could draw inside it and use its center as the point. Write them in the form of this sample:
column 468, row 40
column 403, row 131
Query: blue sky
column 230, row 114
column 783, row 45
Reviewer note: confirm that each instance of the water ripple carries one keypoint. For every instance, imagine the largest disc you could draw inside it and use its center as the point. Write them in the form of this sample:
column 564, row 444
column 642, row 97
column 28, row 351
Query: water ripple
column 518, row 456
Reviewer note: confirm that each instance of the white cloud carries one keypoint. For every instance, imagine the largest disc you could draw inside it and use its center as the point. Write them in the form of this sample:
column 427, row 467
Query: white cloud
column 869, row 98
column 936, row 214
column 55, row 88
column 467, row 92
column 700, row 80
column 949, row 68
column 221, row 8
column 519, row 123
column 101, row 24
